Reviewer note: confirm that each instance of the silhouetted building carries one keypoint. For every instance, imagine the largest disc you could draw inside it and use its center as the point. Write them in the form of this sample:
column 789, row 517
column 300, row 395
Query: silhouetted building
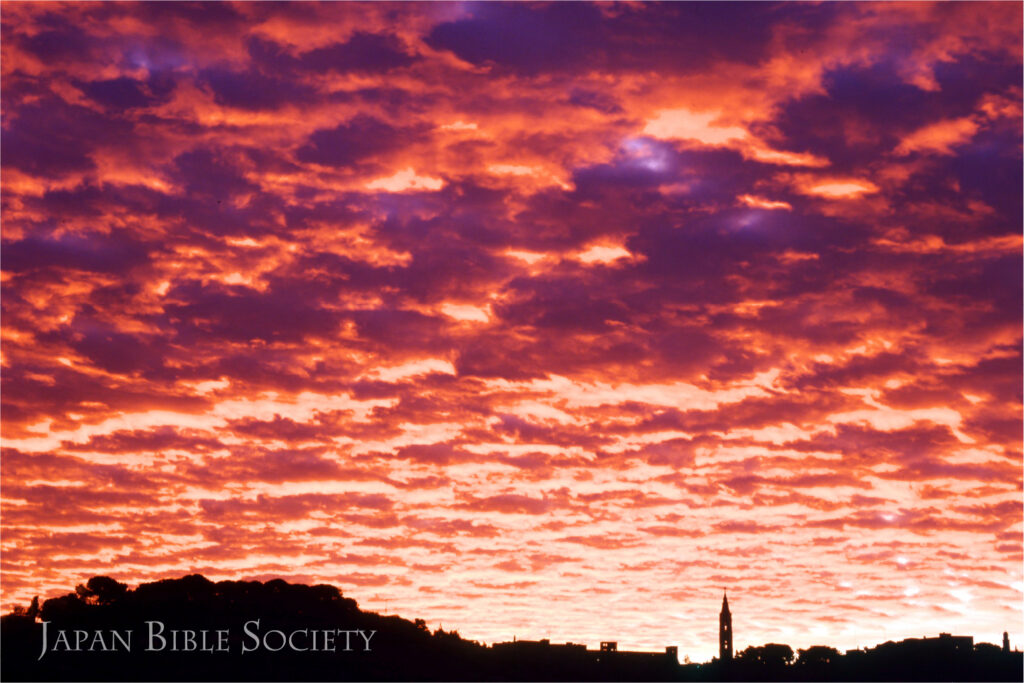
column 525, row 646
column 1006, row 641
column 526, row 660
column 544, row 660
column 725, row 630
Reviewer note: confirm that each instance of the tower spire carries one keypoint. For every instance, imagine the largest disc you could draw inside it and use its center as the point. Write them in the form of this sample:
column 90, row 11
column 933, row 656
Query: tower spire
column 725, row 630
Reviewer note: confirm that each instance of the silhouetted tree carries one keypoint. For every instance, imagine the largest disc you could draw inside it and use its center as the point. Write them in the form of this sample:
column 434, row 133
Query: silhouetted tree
column 817, row 655
column 818, row 663
column 69, row 608
column 766, row 662
column 772, row 655
column 101, row 590
column 33, row 609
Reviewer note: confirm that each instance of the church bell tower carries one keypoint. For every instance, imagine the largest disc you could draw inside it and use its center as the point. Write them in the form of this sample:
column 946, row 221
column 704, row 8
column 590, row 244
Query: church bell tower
column 725, row 631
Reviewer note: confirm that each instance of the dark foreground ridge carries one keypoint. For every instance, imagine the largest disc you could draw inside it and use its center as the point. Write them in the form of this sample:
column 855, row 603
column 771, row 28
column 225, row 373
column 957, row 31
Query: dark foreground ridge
column 192, row 629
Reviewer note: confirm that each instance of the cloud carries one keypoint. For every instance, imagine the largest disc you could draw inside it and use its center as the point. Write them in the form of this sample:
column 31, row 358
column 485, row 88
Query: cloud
column 412, row 296
column 405, row 180
column 363, row 52
column 939, row 137
column 348, row 143
column 706, row 128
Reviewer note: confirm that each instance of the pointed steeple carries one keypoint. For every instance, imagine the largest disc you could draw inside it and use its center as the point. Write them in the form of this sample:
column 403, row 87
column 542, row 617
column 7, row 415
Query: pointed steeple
column 725, row 630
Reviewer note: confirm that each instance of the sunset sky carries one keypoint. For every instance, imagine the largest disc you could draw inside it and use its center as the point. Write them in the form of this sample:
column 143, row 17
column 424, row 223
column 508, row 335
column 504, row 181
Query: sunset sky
column 548, row 321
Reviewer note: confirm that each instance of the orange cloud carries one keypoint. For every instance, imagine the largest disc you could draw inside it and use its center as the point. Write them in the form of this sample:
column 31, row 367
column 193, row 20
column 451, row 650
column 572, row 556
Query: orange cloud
column 834, row 188
column 762, row 203
column 939, row 138
column 370, row 295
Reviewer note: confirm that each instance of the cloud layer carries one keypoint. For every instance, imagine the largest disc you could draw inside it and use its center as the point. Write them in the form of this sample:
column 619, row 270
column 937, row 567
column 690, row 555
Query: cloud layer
column 535, row 320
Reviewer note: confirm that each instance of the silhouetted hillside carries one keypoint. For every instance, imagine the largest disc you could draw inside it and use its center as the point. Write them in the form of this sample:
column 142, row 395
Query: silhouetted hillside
column 224, row 613
column 194, row 629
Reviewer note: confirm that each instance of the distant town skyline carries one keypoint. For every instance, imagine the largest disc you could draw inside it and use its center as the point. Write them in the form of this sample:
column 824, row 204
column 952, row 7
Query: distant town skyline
column 548, row 320
column 238, row 628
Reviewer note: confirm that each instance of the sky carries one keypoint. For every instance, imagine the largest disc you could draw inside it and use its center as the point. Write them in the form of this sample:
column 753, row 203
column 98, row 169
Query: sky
column 534, row 320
